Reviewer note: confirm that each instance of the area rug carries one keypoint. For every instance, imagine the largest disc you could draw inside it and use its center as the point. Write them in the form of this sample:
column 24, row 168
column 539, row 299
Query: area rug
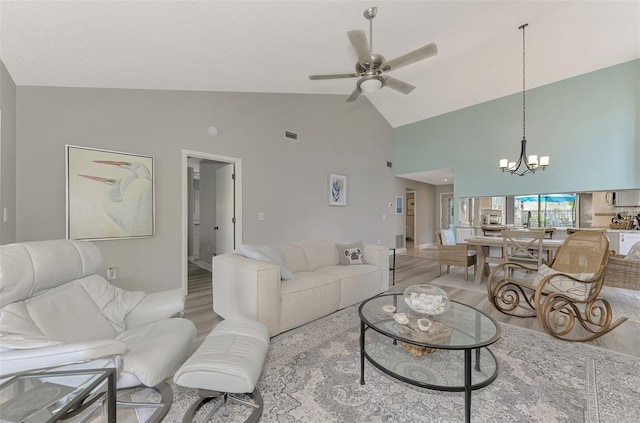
column 311, row 374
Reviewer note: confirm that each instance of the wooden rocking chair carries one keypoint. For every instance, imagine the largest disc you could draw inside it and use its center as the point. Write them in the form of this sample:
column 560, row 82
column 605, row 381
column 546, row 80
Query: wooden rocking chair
column 563, row 293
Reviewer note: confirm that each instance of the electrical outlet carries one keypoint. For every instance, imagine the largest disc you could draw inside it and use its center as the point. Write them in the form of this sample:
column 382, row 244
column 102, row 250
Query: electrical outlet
column 260, row 216
column 111, row 273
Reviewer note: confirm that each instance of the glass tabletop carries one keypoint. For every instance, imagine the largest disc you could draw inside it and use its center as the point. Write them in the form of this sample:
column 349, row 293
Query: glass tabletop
column 44, row 396
column 460, row 327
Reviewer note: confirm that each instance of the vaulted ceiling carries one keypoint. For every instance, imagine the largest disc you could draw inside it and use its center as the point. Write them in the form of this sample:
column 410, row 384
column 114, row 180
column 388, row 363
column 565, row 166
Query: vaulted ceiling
column 272, row 46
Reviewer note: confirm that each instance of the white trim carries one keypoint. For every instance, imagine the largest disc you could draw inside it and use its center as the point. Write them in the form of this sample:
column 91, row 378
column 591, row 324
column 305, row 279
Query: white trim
column 185, row 206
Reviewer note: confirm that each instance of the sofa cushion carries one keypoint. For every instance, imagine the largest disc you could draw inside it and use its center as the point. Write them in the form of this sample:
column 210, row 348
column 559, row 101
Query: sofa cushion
column 69, row 314
column 319, row 254
column 350, row 253
column 294, row 257
column 310, row 296
column 356, row 282
column 267, row 254
column 634, row 252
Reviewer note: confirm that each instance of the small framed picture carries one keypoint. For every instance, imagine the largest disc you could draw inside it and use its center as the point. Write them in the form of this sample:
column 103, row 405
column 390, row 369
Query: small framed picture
column 337, row 190
column 399, row 205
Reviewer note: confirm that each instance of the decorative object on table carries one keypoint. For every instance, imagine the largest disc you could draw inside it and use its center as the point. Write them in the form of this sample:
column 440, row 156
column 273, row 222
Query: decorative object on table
column 426, row 299
column 389, row 308
column 530, row 163
column 399, row 205
column 110, row 195
column 371, row 67
column 429, row 330
column 337, row 190
column 401, row 318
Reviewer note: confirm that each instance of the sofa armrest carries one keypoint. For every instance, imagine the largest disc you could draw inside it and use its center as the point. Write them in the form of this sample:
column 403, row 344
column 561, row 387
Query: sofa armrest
column 14, row 361
column 378, row 255
column 156, row 306
column 247, row 288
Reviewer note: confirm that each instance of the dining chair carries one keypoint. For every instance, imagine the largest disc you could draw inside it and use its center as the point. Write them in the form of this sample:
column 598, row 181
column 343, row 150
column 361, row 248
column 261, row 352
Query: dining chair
column 451, row 253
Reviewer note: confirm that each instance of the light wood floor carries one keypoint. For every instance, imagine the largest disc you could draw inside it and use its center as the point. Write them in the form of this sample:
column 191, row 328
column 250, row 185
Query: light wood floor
column 421, row 266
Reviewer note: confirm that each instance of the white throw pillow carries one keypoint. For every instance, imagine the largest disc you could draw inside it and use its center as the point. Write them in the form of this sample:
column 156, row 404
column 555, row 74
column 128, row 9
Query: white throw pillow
column 569, row 287
column 269, row 255
column 351, row 253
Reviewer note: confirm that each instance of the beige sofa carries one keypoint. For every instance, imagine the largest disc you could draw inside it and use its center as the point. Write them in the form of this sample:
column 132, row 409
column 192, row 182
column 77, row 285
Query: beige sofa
column 248, row 288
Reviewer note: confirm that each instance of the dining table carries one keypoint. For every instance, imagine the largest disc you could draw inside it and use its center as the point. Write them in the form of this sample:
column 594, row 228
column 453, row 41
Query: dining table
column 483, row 245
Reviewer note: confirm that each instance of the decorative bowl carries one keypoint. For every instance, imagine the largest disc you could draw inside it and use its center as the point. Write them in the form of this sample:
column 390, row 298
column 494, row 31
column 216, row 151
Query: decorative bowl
column 426, row 299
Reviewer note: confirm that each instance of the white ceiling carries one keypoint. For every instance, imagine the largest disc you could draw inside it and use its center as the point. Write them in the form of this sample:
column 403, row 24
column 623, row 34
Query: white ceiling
column 272, row 46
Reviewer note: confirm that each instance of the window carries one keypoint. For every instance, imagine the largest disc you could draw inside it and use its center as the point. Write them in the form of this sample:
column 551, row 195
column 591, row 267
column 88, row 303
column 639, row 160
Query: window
column 553, row 210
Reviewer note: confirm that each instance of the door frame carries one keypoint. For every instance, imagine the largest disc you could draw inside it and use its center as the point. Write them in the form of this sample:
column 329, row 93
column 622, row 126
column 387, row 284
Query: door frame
column 185, row 204
column 442, row 195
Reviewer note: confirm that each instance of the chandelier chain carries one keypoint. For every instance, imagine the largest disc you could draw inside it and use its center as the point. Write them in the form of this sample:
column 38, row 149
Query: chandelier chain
column 524, row 127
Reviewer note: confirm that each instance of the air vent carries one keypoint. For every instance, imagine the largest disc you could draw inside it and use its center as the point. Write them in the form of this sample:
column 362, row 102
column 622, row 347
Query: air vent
column 291, row 135
column 400, row 241
column 389, row 164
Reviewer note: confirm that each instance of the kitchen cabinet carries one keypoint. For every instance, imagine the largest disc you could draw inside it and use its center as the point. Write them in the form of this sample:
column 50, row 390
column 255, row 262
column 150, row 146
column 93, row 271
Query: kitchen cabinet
column 626, row 240
column 463, row 233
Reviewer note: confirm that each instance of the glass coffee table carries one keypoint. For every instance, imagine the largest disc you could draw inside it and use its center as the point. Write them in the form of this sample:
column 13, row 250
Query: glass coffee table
column 448, row 352
column 47, row 396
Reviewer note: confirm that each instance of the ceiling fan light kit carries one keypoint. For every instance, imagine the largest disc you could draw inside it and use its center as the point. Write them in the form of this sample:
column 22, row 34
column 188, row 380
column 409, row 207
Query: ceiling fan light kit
column 530, row 163
column 370, row 66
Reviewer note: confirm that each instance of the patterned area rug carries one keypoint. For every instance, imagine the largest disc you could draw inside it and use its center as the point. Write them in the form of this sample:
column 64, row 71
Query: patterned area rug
column 312, row 373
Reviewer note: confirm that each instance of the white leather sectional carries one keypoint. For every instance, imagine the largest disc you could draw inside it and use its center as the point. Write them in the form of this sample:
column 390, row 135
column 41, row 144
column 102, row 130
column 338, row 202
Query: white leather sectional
column 252, row 289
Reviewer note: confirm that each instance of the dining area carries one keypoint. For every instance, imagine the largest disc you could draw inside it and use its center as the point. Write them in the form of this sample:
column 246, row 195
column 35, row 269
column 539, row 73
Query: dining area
column 557, row 282
column 492, row 249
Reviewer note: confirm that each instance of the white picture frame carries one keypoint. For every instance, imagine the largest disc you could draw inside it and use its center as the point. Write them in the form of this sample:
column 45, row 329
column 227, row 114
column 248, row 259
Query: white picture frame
column 109, row 194
column 399, row 205
column 337, row 190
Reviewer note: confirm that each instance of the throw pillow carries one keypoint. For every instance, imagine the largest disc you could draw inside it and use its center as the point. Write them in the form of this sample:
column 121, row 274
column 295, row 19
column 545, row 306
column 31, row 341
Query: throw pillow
column 448, row 237
column 351, row 253
column 569, row 287
column 268, row 255
column 634, row 252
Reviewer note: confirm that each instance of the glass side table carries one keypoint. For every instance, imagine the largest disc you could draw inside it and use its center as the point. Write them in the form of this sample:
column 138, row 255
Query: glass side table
column 47, row 396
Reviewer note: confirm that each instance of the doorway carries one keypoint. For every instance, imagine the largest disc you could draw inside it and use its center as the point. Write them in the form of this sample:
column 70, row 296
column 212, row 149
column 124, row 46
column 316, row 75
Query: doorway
column 446, row 210
column 410, row 223
column 211, row 208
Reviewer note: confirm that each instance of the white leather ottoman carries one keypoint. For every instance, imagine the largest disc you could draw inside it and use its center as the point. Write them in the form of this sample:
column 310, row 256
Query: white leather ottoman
column 228, row 362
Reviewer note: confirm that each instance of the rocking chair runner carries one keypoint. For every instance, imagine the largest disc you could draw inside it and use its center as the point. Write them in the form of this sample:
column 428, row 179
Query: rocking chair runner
column 563, row 293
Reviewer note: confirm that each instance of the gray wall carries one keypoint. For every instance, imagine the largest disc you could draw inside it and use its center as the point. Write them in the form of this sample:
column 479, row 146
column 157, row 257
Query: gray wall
column 284, row 179
column 7, row 157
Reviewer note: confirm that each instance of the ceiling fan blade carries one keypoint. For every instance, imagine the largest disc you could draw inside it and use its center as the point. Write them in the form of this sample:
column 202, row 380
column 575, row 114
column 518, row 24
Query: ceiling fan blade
column 334, row 76
column 398, row 85
column 354, row 96
column 416, row 55
column 358, row 39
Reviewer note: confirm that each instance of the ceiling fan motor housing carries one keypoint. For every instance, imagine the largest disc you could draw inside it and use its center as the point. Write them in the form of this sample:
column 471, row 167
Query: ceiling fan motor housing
column 373, row 67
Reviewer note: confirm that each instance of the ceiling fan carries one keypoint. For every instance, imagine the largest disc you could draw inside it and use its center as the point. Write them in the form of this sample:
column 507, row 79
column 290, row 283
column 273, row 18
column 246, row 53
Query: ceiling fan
column 371, row 68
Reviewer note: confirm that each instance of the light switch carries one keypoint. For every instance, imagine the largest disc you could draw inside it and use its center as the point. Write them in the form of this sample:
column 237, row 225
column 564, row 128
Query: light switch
column 260, row 216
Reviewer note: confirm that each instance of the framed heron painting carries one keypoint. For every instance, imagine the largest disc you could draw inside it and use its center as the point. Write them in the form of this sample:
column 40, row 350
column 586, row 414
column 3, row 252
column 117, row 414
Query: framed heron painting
column 337, row 190
column 110, row 194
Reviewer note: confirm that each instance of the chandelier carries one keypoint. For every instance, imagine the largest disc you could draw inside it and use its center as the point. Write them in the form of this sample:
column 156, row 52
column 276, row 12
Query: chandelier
column 525, row 164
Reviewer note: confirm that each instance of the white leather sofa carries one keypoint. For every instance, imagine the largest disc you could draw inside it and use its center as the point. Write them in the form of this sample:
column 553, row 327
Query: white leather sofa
column 56, row 309
column 252, row 289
